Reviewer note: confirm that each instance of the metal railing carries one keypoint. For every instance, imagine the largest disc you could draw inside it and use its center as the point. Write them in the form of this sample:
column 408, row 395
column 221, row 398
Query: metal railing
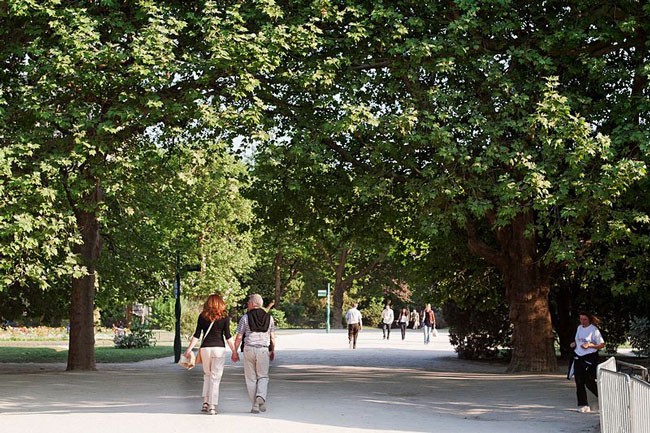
column 639, row 405
column 624, row 400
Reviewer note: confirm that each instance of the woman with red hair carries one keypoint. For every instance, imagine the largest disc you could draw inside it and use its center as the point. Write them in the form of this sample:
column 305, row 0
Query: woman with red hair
column 215, row 326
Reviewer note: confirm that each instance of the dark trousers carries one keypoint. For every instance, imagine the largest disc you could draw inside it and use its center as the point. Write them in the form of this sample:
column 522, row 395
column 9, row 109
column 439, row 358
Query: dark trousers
column 385, row 327
column 402, row 326
column 353, row 333
column 584, row 371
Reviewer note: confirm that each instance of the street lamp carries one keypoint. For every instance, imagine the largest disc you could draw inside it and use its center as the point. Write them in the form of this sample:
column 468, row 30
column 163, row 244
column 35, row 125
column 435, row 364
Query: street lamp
column 177, row 295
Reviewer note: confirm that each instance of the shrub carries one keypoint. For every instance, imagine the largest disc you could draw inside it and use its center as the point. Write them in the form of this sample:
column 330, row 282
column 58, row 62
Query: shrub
column 163, row 314
column 190, row 310
column 639, row 336
column 477, row 333
column 371, row 312
column 137, row 337
column 294, row 313
column 278, row 318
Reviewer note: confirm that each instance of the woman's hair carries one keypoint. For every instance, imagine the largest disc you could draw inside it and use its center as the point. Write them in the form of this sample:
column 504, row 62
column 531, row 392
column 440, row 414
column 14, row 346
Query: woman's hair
column 214, row 308
column 593, row 320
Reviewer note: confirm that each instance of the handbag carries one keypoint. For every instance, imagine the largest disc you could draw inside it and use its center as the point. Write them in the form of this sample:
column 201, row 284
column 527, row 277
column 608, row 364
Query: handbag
column 434, row 332
column 193, row 360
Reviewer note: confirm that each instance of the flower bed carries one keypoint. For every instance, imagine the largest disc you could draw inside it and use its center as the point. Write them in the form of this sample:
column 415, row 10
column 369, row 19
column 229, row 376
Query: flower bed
column 46, row 333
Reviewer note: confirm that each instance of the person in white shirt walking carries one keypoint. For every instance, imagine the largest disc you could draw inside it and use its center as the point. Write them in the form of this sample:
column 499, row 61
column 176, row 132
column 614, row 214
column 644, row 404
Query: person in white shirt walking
column 387, row 319
column 354, row 320
column 588, row 341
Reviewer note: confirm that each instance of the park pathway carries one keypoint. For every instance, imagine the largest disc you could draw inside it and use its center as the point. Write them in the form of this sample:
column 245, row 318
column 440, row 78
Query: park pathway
column 317, row 385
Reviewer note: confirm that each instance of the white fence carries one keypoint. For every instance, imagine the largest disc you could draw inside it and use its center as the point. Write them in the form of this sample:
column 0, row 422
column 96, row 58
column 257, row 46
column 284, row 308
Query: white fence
column 624, row 401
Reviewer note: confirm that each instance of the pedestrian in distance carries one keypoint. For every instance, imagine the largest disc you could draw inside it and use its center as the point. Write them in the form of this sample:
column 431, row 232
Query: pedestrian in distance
column 403, row 321
column 354, row 320
column 387, row 319
column 415, row 319
column 428, row 323
column 588, row 341
column 215, row 326
column 257, row 329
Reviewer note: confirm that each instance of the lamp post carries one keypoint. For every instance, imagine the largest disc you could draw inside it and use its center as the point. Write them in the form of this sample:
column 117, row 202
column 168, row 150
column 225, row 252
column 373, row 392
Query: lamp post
column 177, row 295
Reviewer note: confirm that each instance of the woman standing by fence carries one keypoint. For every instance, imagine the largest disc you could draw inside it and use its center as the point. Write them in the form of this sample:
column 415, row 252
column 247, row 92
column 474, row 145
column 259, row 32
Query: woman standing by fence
column 215, row 326
column 585, row 358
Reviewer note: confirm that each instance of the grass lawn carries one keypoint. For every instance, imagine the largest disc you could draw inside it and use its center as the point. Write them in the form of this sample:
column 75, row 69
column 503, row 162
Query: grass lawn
column 102, row 354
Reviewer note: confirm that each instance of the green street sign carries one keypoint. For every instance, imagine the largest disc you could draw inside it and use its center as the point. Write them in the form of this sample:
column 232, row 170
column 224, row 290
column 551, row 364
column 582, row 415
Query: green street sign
column 322, row 293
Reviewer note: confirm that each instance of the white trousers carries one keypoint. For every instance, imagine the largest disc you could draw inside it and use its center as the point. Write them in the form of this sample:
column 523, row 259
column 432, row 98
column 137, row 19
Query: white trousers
column 214, row 358
column 256, row 371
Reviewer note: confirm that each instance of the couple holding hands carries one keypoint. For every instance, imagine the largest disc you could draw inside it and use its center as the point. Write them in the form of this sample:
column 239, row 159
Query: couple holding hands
column 257, row 331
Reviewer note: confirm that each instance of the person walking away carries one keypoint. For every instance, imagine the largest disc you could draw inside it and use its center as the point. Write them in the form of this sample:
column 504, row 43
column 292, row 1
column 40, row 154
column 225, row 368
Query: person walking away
column 215, row 326
column 415, row 319
column 588, row 341
column 258, row 330
column 403, row 321
column 428, row 322
column 354, row 320
column 387, row 319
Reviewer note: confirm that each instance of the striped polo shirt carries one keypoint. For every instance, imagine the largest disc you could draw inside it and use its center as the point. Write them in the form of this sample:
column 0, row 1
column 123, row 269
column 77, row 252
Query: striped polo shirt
column 254, row 339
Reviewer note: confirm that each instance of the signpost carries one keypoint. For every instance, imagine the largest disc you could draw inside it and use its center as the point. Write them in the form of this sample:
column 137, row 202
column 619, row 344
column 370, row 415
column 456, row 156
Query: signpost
column 322, row 294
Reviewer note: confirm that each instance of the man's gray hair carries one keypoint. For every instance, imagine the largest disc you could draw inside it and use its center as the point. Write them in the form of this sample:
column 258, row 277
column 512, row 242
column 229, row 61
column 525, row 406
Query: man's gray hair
column 256, row 300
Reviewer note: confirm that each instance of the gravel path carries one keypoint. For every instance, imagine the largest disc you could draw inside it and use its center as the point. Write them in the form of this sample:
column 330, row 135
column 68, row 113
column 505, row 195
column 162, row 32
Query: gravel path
column 317, row 385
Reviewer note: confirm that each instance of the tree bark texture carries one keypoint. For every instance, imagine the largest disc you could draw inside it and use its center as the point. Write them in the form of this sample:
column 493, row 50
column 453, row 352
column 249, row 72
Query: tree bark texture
column 81, row 353
column 340, row 286
column 527, row 283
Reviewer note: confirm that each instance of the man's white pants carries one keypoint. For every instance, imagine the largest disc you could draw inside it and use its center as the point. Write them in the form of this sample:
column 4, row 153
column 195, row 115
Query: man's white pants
column 256, row 371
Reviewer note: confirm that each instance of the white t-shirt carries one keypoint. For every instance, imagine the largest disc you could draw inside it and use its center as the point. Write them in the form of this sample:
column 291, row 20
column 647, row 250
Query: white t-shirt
column 387, row 316
column 353, row 316
column 590, row 334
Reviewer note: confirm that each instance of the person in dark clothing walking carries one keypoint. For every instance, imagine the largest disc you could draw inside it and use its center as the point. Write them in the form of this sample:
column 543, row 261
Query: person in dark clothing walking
column 588, row 341
column 215, row 326
column 403, row 321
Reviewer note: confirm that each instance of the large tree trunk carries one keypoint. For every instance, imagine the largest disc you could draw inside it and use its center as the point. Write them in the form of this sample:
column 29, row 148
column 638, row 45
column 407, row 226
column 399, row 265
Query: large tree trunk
column 81, row 354
column 527, row 289
column 527, row 283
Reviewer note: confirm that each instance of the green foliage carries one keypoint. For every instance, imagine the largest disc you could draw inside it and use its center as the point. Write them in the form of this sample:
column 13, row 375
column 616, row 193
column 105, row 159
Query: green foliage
column 639, row 335
column 163, row 314
column 371, row 312
column 190, row 310
column 137, row 337
column 112, row 313
column 294, row 313
column 278, row 318
column 477, row 333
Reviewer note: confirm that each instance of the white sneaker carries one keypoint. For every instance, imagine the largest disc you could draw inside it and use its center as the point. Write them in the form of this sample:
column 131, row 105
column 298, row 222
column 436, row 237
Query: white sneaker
column 261, row 403
column 584, row 409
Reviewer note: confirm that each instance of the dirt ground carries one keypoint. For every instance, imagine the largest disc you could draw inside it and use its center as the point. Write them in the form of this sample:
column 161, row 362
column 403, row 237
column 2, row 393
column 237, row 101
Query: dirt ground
column 317, row 384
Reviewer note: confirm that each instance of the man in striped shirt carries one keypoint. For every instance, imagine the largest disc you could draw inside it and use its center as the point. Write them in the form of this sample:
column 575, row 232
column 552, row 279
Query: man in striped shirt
column 257, row 330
